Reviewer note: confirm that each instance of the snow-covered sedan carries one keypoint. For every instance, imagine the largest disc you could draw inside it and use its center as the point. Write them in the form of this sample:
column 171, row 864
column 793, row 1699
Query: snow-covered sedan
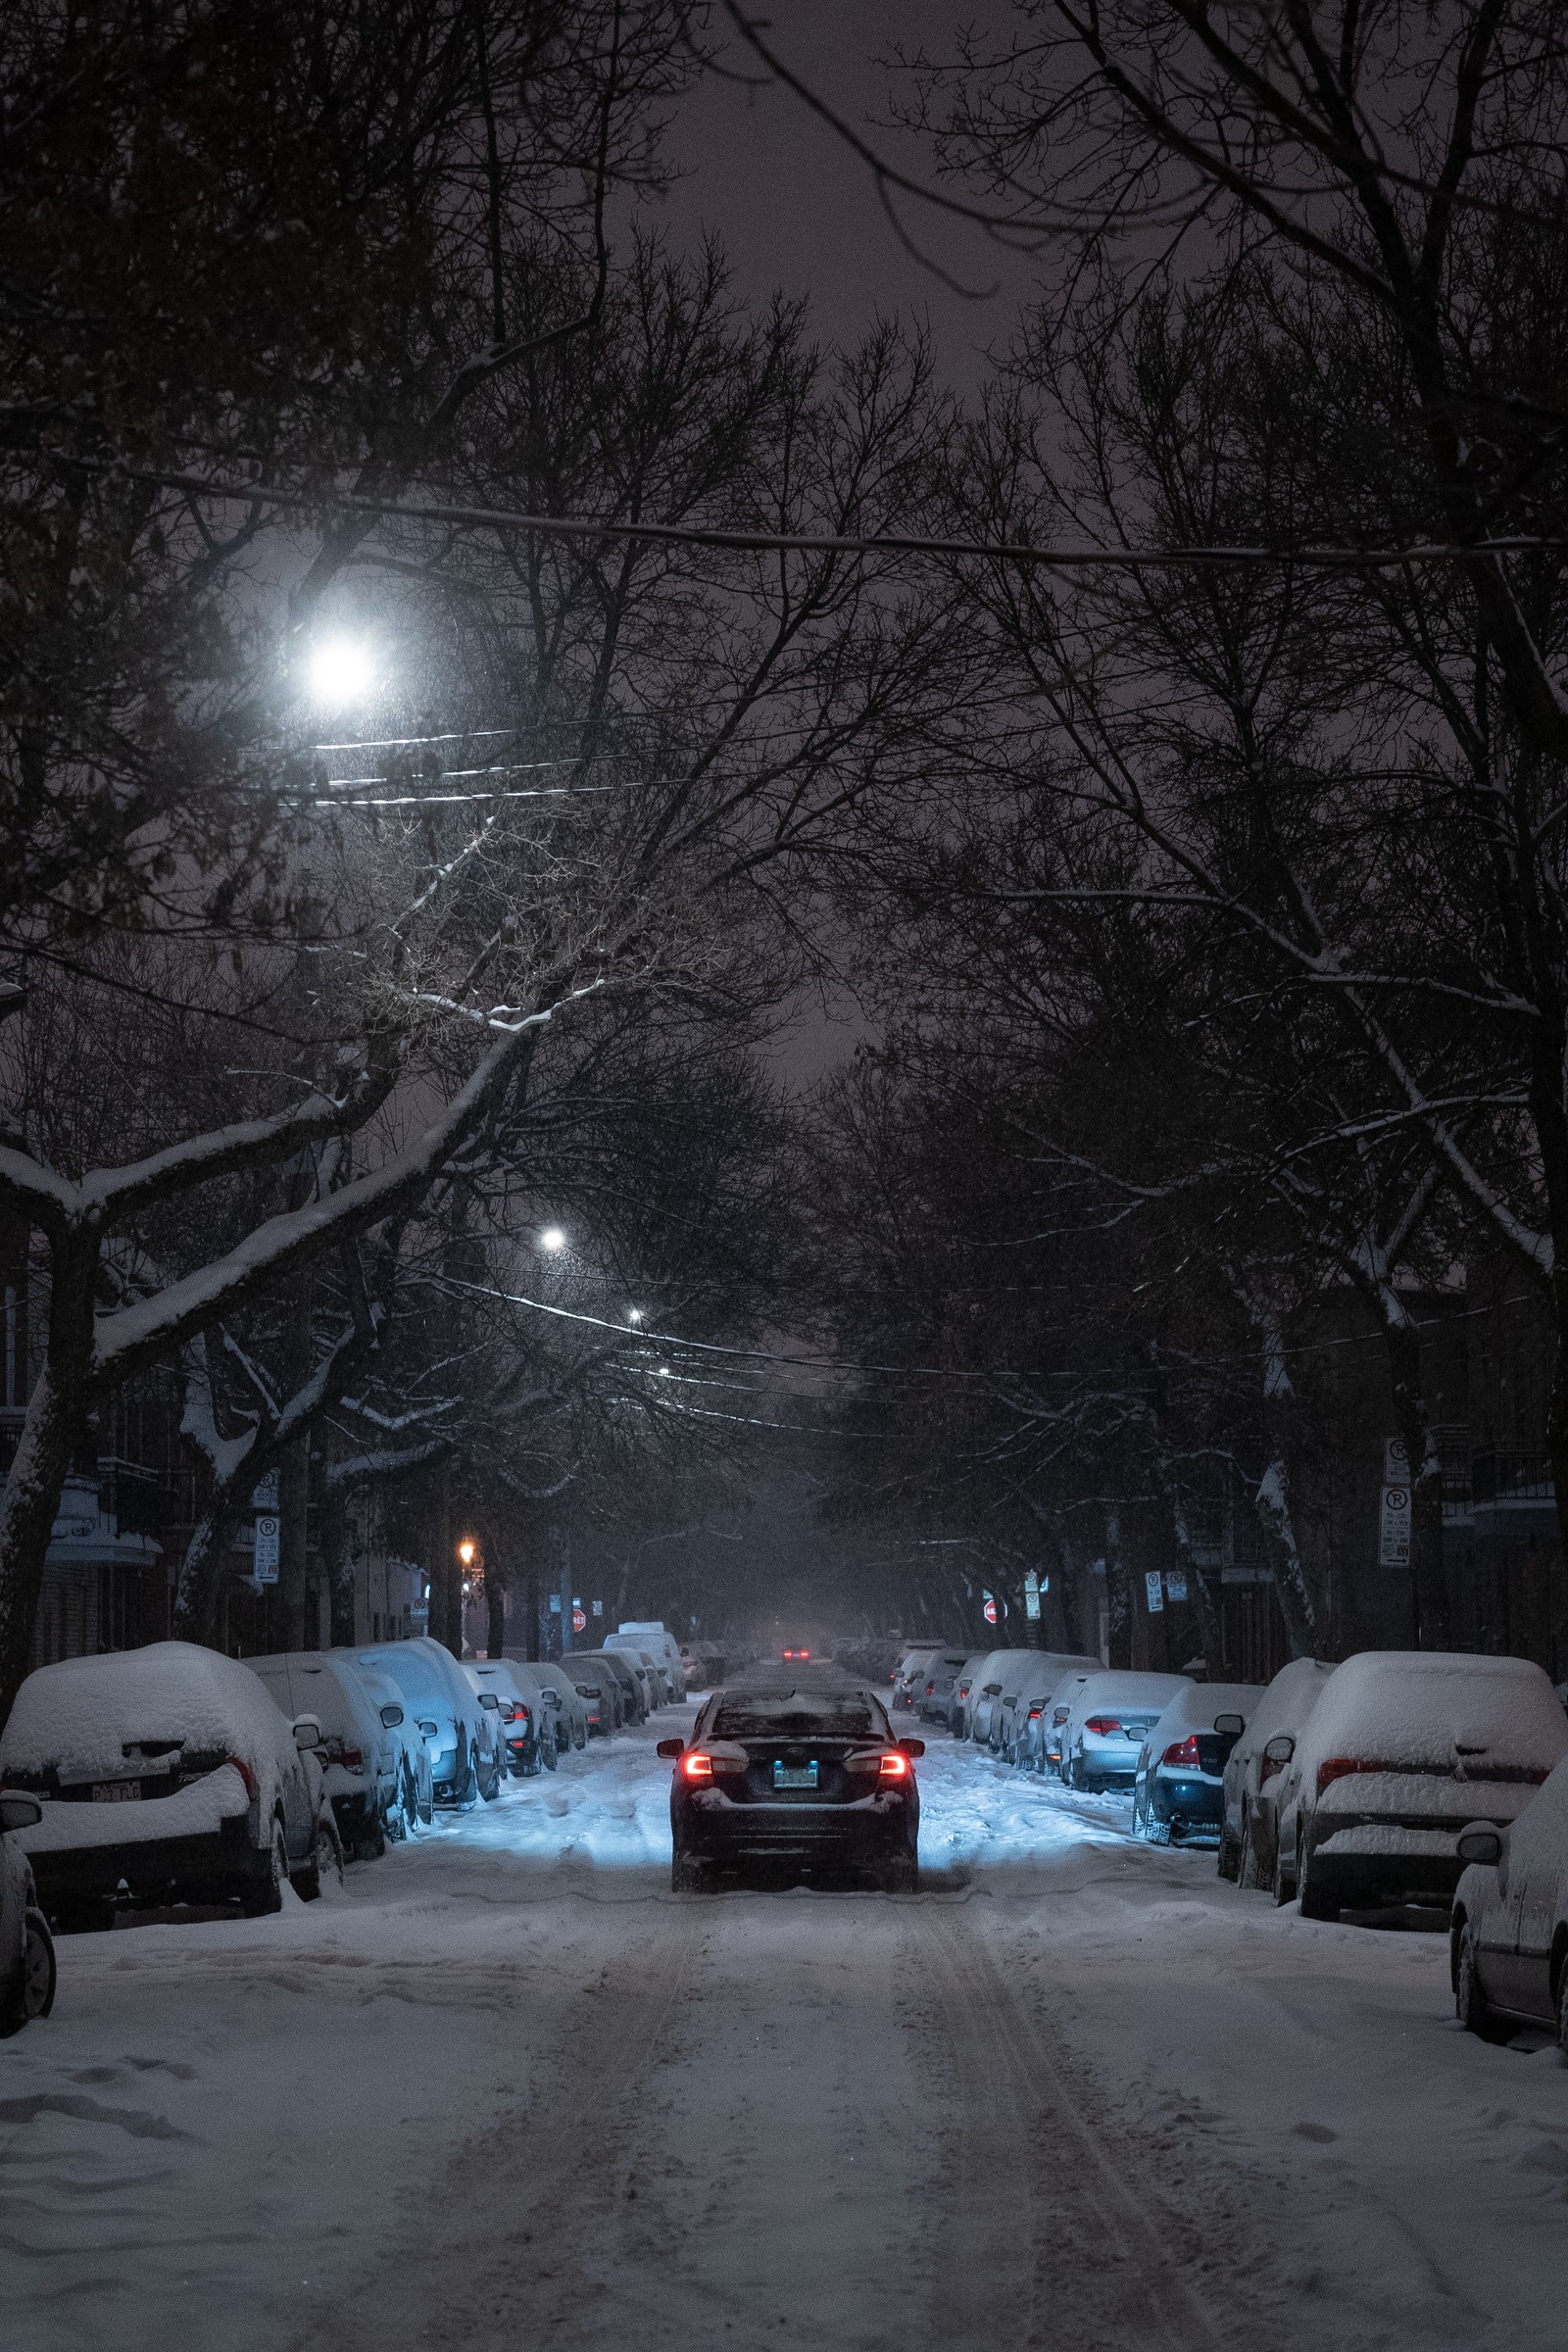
column 166, row 1776
column 932, row 1689
column 1104, row 1732
column 26, row 1949
column 1180, row 1785
column 1249, row 1843
column 1401, row 1753
column 361, row 1759
column 517, row 1708
column 987, row 1692
column 1045, row 1732
column 1025, row 1691
column 1508, row 1933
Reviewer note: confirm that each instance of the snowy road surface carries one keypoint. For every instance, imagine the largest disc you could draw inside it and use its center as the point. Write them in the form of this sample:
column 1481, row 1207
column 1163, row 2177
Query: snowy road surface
column 507, row 2089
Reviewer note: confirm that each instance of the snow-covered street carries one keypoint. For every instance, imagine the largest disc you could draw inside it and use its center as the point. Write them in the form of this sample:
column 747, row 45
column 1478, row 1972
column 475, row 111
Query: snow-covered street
column 507, row 2087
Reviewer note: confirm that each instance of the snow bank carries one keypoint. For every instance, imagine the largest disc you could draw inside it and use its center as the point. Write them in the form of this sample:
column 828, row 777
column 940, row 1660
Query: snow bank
column 196, row 1811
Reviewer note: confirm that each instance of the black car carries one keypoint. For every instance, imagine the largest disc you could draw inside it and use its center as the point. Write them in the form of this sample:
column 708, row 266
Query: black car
column 812, row 1780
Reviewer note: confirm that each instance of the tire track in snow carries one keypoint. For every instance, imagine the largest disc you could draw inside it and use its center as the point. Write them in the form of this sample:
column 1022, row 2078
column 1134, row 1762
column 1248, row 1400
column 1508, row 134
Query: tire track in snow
column 1040, row 2220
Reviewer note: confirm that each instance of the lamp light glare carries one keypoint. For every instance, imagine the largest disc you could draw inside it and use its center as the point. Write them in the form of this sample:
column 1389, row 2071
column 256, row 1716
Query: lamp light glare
column 634, row 1315
column 552, row 1238
column 341, row 671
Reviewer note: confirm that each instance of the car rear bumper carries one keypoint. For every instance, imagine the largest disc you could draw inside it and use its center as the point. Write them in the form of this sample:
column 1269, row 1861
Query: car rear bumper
column 713, row 1827
column 1187, row 1801
column 222, row 1862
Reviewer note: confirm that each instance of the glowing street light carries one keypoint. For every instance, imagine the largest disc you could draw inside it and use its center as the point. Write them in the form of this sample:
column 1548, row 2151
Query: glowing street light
column 553, row 1240
column 342, row 670
column 634, row 1315
column 467, row 1549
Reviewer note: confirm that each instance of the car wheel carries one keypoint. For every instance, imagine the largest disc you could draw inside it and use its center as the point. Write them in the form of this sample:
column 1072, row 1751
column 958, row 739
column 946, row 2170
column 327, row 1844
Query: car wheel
column 687, row 1876
column 34, row 1992
column 490, row 1785
column 264, row 1892
column 1315, row 1890
column 1246, row 1870
column 1228, row 1860
column 1562, row 2012
column 547, row 1747
column 1469, row 2005
column 371, row 1846
column 324, row 1872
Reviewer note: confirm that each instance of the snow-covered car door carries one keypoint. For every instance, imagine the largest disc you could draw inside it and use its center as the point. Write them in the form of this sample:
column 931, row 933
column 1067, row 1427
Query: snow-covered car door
column 1535, row 1849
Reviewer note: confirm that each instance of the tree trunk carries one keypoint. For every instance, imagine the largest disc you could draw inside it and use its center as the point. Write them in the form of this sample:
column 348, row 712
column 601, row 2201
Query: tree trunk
column 531, row 1630
column 495, row 1602
column 1429, row 1585
column 293, row 1503
column 1273, row 1505
column 31, row 1501
column 1118, row 1596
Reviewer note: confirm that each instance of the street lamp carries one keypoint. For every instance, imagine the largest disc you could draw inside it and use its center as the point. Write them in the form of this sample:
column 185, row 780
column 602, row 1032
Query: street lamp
column 634, row 1315
column 552, row 1240
column 341, row 670
column 467, row 1549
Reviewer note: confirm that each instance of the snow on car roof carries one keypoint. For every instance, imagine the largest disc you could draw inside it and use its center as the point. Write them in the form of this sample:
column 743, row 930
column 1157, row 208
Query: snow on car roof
column 1288, row 1699
column 1112, row 1687
column 77, row 1717
column 1420, row 1706
column 1194, row 1707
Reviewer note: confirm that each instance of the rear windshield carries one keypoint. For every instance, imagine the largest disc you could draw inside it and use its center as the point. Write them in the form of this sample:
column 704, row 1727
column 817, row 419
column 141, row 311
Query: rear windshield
column 800, row 1715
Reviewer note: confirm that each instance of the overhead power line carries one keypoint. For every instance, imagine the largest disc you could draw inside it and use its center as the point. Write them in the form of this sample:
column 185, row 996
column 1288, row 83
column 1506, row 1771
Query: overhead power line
column 892, row 543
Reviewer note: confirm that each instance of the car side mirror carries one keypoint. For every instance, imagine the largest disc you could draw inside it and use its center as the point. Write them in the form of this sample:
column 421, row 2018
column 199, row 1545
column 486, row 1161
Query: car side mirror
column 307, row 1732
column 488, row 1698
column 671, row 1747
column 911, row 1748
column 391, row 1717
column 1232, row 1726
column 1281, row 1748
column 990, row 1690
column 1480, row 1843
column 19, row 1812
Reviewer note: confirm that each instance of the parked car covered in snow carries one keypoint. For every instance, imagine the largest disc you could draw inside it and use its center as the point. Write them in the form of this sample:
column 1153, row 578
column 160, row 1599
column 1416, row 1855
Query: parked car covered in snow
column 1045, row 1732
column 1112, row 1715
column 1179, row 1791
column 1249, row 1845
column 517, row 1709
column 987, row 1690
column 932, row 1689
column 959, row 1695
column 26, row 1948
column 463, row 1737
column 1403, row 1749
column 1508, row 1930
column 167, row 1776
column 598, row 1689
column 361, row 1759
column 571, row 1714
column 661, row 1646
column 1025, row 1691
column 416, row 1791
column 633, row 1705
column 910, row 1670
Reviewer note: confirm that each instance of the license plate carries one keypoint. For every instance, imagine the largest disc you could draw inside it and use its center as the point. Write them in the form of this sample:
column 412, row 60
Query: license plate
column 115, row 1792
column 795, row 1776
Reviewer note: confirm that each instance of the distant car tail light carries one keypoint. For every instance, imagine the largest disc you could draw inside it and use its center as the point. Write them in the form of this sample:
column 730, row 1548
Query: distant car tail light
column 354, row 1758
column 930, row 1686
column 696, row 1765
column 893, row 1766
column 1184, row 1754
column 1035, row 1714
column 245, row 1773
column 1103, row 1725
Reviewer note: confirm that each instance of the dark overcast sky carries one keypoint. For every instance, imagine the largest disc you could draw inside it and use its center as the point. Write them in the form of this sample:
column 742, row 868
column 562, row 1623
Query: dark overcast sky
column 795, row 209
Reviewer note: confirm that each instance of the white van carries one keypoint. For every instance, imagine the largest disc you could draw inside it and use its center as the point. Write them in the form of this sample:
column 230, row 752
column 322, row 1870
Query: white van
column 649, row 1634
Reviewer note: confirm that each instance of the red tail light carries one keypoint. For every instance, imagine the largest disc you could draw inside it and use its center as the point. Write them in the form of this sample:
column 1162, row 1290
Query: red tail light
column 1102, row 1726
column 245, row 1773
column 1185, row 1753
column 930, row 1686
column 696, row 1766
column 1335, row 1768
column 893, row 1766
column 1035, row 1714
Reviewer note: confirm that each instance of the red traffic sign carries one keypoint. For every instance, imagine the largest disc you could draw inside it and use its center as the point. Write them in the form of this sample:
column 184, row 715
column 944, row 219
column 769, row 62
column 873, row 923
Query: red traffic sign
column 580, row 1623
column 990, row 1612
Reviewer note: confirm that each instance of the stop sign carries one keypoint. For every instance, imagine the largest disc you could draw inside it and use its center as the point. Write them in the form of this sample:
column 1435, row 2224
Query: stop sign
column 991, row 1612
column 580, row 1623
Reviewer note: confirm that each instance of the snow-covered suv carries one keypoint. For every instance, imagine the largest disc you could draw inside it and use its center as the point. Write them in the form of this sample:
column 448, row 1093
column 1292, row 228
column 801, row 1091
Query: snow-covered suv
column 26, row 1953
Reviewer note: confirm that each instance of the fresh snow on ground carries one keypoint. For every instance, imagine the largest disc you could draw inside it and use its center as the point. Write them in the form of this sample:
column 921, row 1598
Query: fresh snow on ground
column 508, row 2088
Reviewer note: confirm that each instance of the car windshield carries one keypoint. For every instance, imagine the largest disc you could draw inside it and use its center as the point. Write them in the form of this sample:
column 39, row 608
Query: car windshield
column 800, row 1714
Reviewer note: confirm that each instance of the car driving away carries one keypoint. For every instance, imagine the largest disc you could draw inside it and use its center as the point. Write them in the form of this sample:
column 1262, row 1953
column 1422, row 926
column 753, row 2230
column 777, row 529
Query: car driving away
column 804, row 1777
